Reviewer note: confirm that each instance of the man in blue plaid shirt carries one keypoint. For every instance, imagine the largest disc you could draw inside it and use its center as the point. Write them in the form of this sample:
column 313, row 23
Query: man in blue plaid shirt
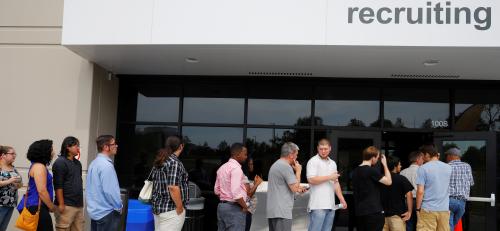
column 460, row 182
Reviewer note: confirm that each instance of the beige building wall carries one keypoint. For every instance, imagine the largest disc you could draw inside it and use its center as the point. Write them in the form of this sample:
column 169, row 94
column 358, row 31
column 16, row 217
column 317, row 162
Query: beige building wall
column 46, row 90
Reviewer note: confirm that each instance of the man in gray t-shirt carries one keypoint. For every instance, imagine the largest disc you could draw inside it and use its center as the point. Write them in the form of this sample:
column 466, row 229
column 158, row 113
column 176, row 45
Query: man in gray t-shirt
column 282, row 184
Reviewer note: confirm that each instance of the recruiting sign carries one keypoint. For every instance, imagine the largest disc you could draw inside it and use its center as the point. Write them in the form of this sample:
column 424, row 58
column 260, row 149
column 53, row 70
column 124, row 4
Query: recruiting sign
column 414, row 22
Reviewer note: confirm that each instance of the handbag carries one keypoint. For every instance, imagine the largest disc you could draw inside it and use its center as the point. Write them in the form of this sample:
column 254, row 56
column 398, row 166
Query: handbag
column 147, row 189
column 26, row 220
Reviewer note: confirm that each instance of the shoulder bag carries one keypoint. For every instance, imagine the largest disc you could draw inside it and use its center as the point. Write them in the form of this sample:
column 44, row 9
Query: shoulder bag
column 26, row 220
column 147, row 189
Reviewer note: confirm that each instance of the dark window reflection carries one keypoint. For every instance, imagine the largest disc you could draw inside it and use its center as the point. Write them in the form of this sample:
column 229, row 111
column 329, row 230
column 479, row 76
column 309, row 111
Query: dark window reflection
column 206, row 149
column 214, row 110
column 278, row 112
column 416, row 115
column 264, row 146
column 135, row 157
column 347, row 113
column 157, row 109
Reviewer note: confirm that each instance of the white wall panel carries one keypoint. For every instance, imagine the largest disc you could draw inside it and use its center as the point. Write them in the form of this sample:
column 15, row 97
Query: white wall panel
column 107, row 22
column 239, row 22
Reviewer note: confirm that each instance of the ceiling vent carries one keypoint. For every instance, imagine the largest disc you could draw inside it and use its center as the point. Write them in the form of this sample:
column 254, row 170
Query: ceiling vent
column 292, row 74
column 410, row 76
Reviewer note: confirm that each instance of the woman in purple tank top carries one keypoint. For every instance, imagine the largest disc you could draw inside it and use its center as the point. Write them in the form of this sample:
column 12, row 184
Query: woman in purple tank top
column 40, row 153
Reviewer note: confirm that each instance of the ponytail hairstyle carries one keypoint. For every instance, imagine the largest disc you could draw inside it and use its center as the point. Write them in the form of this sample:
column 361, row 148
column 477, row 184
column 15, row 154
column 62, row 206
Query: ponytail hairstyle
column 172, row 144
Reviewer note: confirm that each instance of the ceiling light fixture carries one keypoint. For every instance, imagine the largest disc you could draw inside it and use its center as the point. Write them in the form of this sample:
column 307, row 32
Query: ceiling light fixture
column 431, row 62
column 192, row 60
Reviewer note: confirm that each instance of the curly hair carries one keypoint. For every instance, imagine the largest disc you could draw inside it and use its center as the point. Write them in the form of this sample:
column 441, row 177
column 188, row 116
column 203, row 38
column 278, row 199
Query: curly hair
column 40, row 151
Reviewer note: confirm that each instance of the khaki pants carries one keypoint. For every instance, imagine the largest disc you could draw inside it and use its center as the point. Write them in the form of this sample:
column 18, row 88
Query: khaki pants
column 169, row 221
column 70, row 220
column 394, row 223
column 433, row 221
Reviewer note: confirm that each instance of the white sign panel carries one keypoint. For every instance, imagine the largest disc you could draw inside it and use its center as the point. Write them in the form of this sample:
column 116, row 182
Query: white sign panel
column 414, row 22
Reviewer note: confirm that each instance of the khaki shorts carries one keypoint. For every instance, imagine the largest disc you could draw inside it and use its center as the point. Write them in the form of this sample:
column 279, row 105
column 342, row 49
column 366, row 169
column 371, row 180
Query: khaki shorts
column 71, row 219
column 394, row 223
column 433, row 221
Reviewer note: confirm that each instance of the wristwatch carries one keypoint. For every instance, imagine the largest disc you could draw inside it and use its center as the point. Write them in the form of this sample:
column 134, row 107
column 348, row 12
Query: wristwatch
column 418, row 210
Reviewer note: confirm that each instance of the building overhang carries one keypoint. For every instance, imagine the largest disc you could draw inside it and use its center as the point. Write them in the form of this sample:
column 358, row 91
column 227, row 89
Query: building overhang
column 323, row 38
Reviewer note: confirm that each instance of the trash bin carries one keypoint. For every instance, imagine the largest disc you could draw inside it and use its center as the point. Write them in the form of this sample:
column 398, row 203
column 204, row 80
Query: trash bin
column 124, row 197
column 140, row 216
column 194, row 215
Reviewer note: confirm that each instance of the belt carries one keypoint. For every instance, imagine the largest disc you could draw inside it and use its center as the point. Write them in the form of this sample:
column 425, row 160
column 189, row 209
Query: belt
column 458, row 198
column 229, row 202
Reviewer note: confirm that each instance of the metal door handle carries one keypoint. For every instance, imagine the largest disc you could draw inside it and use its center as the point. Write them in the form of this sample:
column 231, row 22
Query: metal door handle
column 484, row 199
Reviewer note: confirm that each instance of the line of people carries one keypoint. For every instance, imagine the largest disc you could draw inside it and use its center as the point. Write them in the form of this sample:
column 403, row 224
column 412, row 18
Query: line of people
column 429, row 195
column 61, row 192
column 282, row 188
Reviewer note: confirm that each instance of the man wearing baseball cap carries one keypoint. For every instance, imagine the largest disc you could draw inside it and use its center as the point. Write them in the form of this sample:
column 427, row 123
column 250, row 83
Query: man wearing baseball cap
column 460, row 182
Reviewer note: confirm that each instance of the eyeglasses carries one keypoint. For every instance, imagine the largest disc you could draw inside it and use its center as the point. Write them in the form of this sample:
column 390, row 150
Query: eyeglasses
column 115, row 144
column 12, row 153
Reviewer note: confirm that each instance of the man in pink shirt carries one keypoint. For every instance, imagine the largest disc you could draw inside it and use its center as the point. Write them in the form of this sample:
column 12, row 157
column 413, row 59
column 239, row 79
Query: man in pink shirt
column 230, row 187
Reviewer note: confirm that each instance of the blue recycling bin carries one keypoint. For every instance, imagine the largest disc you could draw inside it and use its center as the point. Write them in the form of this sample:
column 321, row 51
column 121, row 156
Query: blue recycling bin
column 139, row 217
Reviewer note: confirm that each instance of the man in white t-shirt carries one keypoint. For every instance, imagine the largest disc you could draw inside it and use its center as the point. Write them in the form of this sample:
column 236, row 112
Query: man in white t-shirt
column 323, row 177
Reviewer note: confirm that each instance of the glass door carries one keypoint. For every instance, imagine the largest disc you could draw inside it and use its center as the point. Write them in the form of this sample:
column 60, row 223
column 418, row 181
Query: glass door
column 478, row 149
column 347, row 147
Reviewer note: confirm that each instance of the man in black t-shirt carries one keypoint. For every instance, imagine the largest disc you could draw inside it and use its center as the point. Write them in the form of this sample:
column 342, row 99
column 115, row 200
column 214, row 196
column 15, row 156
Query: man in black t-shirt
column 366, row 182
column 397, row 198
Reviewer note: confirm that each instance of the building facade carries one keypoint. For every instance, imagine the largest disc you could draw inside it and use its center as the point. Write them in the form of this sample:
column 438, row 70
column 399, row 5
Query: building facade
column 257, row 72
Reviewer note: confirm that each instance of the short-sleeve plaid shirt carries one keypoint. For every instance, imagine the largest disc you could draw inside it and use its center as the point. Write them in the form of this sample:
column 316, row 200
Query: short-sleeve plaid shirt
column 461, row 179
column 172, row 172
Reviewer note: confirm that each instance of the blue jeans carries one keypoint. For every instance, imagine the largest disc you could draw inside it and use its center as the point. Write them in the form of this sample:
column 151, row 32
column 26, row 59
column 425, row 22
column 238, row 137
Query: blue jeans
column 321, row 219
column 5, row 214
column 107, row 223
column 457, row 210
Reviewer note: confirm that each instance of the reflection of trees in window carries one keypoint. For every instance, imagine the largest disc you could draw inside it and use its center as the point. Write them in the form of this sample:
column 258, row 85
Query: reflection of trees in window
column 399, row 123
column 480, row 117
column 387, row 123
column 356, row 123
column 427, row 124
column 212, row 158
column 266, row 152
column 491, row 113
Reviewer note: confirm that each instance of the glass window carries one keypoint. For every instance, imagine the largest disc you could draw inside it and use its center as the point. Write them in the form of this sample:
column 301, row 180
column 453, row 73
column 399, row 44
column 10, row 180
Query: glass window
column 214, row 110
column 206, row 149
column 426, row 108
column 137, row 153
column 477, row 110
column 416, row 115
column 279, row 112
column 347, row 113
column 157, row 109
column 264, row 146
